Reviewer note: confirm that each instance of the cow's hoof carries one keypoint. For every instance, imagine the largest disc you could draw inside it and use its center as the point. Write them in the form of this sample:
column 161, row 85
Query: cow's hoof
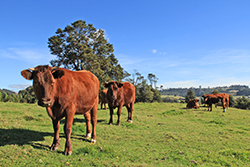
column 93, row 141
column 54, row 147
column 88, row 135
column 67, row 152
column 130, row 121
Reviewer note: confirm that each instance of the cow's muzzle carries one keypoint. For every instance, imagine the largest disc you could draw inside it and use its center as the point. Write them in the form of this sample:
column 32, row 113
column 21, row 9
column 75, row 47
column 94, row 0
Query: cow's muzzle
column 45, row 103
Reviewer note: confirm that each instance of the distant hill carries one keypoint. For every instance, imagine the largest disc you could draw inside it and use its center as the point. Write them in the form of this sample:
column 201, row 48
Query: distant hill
column 234, row 90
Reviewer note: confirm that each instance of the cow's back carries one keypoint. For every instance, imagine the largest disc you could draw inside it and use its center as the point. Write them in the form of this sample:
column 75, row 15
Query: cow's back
column 79, row 88
column 128, row 93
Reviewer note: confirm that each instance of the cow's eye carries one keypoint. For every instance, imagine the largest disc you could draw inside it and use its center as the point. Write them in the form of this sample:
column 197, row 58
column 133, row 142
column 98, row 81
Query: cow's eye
column 35, row 82
column 52, row 83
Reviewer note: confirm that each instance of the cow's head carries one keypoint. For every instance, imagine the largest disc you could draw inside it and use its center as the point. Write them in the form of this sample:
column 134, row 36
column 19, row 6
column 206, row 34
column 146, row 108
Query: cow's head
column 113, row 87
column 44, row 78
column 196, row 104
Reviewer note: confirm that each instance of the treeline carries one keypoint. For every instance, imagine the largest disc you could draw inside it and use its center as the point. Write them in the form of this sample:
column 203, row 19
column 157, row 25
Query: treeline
column 23, row 96
column 235, row 90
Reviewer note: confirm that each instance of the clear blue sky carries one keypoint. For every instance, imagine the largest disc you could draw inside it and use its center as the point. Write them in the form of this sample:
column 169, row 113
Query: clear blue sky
column 185, row 43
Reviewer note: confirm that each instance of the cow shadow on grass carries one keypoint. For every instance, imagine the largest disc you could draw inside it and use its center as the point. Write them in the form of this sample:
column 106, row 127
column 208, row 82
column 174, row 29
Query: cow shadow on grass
column 30, row 137
column 80, row 120
column 22, row 137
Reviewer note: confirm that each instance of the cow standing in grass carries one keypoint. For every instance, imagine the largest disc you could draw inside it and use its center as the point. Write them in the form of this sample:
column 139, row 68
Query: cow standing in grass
column 119, row 95
column 224, row 100
column 215, row 98
column 65, row 93
column 210, row 99
column 104, row 99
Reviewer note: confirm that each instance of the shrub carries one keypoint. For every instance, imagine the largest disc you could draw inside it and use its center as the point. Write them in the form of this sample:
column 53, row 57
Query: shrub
column 242, row 103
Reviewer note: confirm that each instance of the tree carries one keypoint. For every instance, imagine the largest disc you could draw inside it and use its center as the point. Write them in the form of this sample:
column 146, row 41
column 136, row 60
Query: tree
column 152, row 79
column 5, row 97
column 190, row 95
column 215, row 91
column 80, row 46
column 144, row 92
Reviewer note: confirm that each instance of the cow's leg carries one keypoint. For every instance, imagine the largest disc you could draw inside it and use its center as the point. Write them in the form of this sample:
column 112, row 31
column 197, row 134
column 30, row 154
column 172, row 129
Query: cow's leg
column 101, row 104
column 93, row 113
column 210, row 105
column 223, row 105
column 88, row 129
column 105, row 106
column 55, row 144
column 130, row 109
column 119, row 111
column 67, row 132
column 111, row 111
column 227, row 103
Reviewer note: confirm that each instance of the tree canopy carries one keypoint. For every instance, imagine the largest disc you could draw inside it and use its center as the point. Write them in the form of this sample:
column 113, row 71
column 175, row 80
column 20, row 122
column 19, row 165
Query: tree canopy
column 81, row 46
column 190, row 95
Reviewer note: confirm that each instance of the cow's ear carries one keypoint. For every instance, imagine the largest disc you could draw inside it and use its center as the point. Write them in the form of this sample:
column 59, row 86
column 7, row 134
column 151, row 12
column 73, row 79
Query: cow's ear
column 27, row 74
column 120, row 85
column 57, row 74
column 106, row 84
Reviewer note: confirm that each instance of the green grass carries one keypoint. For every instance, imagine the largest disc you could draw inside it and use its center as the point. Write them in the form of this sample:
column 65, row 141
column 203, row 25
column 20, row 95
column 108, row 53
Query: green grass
column 162, row 134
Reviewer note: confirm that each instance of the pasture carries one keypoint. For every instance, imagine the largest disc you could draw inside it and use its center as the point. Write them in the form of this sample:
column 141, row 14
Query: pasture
column 162, row 134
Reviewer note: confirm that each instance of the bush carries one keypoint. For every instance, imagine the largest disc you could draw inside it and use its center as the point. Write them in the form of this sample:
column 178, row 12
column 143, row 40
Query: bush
column 231, row 101
column 242, row 103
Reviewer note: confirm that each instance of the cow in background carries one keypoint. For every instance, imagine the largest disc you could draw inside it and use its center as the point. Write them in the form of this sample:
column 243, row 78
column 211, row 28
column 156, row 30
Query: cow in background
column 65, row 93
column 193, row 104
column 104, row 99
column 224, row 100
column 210, row 99
column 215, row 98
column 119, row 95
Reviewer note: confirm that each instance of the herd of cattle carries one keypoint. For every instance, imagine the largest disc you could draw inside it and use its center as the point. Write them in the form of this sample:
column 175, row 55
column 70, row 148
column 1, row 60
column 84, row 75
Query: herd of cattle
column 65, row 93
column 210, row 99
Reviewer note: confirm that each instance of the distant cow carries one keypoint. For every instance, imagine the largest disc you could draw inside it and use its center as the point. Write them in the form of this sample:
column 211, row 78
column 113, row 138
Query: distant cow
column 224, row 100
column 119, row 95
column 104, row 99
column 215, row 98
column 193, row 104
column 210, row 99
column 65, row 93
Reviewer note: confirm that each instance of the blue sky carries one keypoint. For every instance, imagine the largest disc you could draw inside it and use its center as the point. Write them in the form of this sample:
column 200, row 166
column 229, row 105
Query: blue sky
column 185, row 43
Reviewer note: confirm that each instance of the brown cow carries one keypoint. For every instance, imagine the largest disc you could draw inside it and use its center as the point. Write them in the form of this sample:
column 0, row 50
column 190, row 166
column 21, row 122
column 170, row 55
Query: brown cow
column 104, row 99
column 224, row 100
column 193, row 104
column 210, row 99
column 119, row 95
column 215, row 97
column 65, row 93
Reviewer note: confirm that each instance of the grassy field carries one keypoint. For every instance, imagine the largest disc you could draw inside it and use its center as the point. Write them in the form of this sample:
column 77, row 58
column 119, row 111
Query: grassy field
column 162, row 134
